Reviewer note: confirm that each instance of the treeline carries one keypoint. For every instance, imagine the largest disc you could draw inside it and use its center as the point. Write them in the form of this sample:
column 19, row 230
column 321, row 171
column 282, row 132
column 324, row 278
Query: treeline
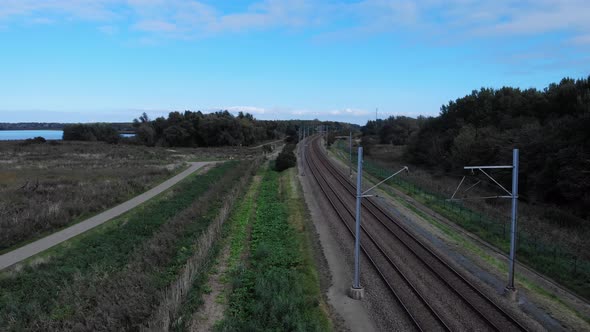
column 217, row 129
column 550, row 127
column 91, row 132
column 119, row 126
column 31, row 126
column 197, row 129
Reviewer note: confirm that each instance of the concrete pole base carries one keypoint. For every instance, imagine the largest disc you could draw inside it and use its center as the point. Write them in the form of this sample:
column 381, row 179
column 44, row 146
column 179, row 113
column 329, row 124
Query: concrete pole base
column 356, row 293
column 511, row 294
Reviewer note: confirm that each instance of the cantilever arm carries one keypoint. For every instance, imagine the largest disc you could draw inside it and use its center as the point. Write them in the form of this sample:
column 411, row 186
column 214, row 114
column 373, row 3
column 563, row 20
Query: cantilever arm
column 405, row 168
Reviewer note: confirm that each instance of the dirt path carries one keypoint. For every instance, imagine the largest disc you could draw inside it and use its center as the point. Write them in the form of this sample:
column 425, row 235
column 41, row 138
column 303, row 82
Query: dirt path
column 31, row 249
column 263, row 144
column 213, row 302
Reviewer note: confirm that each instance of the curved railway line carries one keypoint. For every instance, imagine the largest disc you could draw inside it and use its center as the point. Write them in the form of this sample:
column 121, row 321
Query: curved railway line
column 433, row 294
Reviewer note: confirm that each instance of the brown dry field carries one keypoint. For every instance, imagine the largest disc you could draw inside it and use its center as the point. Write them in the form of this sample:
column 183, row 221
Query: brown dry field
column 45, row 187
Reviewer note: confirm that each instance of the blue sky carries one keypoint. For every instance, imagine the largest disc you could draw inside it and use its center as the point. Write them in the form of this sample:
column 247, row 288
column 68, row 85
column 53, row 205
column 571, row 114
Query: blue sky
column 107, row 60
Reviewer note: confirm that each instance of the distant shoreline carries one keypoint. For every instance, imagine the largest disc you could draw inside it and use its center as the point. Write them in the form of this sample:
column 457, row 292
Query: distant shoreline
column 122, row 127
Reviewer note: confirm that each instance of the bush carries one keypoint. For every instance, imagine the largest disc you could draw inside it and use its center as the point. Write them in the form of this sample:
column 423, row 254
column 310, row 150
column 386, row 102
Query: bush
column 286, row 158
column 36, row 140
column 91, row 132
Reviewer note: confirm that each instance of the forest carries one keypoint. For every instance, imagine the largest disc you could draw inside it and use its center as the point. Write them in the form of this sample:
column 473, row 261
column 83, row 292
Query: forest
column 197, row 129
column 551, row 127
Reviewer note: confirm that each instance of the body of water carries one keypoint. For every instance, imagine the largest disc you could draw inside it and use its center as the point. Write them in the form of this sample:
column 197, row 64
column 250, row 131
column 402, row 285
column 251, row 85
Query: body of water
column 10, row 135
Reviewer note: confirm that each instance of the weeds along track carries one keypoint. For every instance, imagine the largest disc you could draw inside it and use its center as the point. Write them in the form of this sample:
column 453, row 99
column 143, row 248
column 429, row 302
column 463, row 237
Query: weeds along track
column 434, row 295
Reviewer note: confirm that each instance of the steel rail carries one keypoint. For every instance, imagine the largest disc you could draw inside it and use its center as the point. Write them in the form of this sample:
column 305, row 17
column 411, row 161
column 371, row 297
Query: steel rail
column 437, row 318
column 349, row 186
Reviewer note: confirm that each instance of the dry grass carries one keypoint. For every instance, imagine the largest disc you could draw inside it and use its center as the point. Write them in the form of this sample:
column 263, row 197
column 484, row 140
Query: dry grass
column 44, row 187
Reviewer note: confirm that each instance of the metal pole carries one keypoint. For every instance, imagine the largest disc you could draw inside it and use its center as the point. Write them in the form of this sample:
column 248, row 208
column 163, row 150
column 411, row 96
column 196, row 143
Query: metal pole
column 357, row 239
column 350, row 153
column 303, row 153
column 513, row 231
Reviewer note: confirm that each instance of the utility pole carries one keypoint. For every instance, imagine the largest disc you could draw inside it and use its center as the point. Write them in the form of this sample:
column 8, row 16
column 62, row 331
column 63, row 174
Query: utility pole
column 350, row 153
column 510, row 286
column 510, row 289
column 356, row 291
column 303, row 153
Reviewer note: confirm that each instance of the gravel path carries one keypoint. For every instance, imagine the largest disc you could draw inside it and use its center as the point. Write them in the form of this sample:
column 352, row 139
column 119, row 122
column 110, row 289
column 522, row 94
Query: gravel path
column 31, row 249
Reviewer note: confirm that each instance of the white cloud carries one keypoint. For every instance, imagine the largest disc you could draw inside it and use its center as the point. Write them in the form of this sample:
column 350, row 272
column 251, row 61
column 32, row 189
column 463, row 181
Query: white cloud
column 247, row 109
column 431, row 19
column 108, row 29
column 155, row 26
column 349, row 112
column 581, row 40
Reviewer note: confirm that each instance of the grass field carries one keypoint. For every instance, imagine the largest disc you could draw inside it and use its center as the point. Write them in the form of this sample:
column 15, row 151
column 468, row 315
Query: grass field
column 276, row 288
column 112, row 277
column 45, row 187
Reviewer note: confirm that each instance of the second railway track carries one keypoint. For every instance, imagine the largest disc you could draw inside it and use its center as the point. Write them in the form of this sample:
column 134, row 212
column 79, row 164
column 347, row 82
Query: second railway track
column 434, row 295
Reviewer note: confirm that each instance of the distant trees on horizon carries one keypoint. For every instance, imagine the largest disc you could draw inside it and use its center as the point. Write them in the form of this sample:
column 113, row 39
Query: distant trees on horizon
column 198, row 129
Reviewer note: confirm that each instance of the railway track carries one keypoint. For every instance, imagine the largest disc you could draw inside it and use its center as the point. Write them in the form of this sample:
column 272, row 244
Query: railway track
column 433, row 294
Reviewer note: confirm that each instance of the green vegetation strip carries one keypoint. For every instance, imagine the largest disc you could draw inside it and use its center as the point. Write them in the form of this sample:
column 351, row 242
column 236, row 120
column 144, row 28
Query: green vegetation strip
column 33, row 293
column 277, row 289
column 235, row 231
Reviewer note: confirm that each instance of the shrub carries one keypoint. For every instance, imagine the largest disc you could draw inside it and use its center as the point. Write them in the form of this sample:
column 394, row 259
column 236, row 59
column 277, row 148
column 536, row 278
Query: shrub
column 286, row 158
column 36, row 140
column 91, row 132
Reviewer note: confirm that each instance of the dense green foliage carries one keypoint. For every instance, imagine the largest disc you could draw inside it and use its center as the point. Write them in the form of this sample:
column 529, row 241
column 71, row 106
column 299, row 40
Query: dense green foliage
column 286, row 159
column 217, row 129
column 550, row 127
column 91, row 132
column 395, row 130
column 273, row 292
column 108, row 266
column 198, row 129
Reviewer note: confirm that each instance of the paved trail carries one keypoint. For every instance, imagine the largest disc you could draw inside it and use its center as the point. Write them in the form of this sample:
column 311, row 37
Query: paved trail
column 31, row 249
column 261, row 145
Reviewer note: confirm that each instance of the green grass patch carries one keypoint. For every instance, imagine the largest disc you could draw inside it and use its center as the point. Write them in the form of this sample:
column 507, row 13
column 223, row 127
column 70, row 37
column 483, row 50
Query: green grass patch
column 275, row 291
column 32, row 294
column 235, row 232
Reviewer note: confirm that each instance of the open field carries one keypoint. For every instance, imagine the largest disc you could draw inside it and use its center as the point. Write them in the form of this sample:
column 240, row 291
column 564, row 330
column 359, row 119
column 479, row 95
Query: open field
column 45, row 187
column 121, row 274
